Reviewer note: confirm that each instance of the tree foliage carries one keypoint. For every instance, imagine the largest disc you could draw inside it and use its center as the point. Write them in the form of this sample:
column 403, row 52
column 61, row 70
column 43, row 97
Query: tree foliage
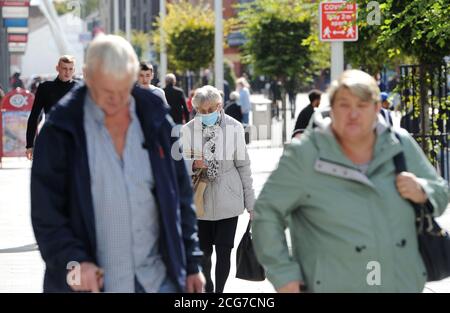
column 189, row 36
column 86, row 7
column 408, row 31
column 419, row 28
column 320, row 51
column 276, row 32
column 367, row 53
column 141, row 43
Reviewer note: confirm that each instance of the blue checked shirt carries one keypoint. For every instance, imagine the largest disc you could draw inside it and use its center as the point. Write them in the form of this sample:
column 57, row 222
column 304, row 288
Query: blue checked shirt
column 126, row 215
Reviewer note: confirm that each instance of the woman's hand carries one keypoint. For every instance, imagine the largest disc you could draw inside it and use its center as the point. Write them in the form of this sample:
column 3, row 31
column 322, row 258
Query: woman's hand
column 199, row 164
column 409, row 188
column 292, row 287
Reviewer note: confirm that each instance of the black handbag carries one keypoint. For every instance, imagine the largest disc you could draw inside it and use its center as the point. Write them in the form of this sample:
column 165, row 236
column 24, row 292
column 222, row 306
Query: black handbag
column 434, row 242
column 247, row 266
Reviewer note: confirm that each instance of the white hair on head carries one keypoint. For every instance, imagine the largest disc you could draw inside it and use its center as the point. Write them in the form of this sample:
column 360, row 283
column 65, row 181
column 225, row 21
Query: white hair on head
column 171, row 79
column 234, row 95
column 112, row 55
column 206, row 94
column 359, row 83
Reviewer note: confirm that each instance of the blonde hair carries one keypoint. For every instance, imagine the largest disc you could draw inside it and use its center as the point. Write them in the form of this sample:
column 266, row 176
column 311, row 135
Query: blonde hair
column 112, row 55
column 66, row 59
column 242, row 81
column 359, row 83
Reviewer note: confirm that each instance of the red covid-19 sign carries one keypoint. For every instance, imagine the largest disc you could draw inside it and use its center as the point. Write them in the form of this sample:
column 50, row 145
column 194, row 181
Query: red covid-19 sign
column 338, row 21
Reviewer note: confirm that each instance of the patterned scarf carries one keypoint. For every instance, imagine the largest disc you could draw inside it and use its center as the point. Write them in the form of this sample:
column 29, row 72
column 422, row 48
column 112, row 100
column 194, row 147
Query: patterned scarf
column 210, row 134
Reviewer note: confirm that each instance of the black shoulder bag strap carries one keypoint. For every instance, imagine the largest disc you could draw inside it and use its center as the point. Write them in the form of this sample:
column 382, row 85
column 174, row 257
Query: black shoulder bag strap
column 400, row 166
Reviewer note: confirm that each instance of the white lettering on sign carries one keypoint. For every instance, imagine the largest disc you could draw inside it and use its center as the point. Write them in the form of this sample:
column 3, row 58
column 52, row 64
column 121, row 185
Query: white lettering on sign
column 337, row 7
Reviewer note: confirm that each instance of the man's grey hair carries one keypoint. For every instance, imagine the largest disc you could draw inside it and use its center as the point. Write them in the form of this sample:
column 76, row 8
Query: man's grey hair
column 206, row 94
column 170, row 79
column 359, row 84
column 112, row 55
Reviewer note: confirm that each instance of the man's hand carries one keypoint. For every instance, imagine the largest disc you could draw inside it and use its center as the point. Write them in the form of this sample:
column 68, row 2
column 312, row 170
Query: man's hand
column 29, row 154
column 409, row 188
column 91, row 278
column 195, row 283
column 292, row 287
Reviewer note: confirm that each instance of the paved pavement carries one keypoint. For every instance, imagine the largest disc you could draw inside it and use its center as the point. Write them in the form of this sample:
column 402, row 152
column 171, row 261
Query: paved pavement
column 24, row 272
column 18, row 272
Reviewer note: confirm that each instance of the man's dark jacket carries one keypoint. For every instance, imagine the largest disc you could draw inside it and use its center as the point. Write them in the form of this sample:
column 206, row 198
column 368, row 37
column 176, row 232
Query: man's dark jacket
column 177, row 102
column 303, row 119
column 61, row 201
column 47, row 95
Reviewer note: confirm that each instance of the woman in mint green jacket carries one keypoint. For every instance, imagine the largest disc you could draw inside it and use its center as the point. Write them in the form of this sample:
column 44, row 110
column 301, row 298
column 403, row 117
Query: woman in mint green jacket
column 351, row 226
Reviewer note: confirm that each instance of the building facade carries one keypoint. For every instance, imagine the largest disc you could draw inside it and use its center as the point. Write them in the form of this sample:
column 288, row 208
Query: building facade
column 143, row 14
column 4, row 57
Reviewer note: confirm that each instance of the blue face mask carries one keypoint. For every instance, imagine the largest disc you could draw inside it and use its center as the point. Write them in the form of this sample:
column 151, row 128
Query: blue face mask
column 209, row 119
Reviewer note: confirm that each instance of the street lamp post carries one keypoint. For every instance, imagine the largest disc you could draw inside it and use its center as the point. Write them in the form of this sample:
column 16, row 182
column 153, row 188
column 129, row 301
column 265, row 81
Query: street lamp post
column 116, row 17
column 128, row 19
column 218, row 51
column 4, row 58
column 163, row 53
column 337, row 59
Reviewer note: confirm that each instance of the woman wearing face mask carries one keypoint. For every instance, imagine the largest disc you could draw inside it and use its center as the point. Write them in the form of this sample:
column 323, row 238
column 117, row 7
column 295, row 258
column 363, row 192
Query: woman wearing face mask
column 215, row 142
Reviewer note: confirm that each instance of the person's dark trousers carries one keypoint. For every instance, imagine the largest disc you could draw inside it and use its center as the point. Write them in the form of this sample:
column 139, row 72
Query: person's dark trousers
column 221, row 235
column 293, row 105
column 275, row 110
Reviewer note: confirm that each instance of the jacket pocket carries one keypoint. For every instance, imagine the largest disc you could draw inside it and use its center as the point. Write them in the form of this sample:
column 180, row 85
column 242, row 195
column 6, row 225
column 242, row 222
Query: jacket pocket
column 234, row 187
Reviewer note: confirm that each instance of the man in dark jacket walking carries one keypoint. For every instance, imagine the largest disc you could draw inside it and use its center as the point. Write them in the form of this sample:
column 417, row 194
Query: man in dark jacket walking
column 307, row 112
column 111, row 207
column 177, row 101
column 47, row 95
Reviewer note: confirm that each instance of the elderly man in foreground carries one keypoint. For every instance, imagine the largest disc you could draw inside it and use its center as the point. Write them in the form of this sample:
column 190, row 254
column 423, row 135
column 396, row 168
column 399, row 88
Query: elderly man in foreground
column 111, row 209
